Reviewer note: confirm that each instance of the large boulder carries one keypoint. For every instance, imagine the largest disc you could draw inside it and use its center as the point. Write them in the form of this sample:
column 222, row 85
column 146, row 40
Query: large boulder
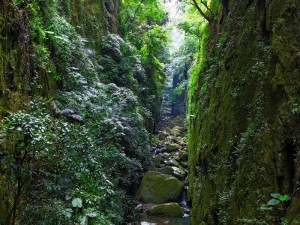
column 167, row 209
column 159, row 188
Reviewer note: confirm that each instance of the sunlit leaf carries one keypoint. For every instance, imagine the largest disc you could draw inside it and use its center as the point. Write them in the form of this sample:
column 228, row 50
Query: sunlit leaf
column 77, row 203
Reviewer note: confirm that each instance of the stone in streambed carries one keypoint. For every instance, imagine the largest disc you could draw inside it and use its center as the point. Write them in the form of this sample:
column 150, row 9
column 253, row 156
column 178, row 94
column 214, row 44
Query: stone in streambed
column 177, row 172
column 182, row 156
column 167, row 209
column 159, row 188
column 177, row 131
column 172, row 162
column 184, row 164
column 172, row 147
column 162, row 135
column 166, row 155
column 155, row 140
column 166, row 170
column 156, row 161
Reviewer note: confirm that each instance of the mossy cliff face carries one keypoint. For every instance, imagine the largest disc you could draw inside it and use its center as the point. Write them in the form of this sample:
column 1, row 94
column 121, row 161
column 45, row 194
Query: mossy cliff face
column 93, row 19
column 14, row 58
column 244, row 116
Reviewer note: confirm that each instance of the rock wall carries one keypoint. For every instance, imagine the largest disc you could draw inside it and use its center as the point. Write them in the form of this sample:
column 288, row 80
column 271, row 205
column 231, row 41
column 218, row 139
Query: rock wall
column 244, row 116
column 14, row 58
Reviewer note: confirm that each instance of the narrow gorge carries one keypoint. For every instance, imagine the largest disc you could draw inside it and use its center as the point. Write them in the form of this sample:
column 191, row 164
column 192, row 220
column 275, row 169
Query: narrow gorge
column 150, row 112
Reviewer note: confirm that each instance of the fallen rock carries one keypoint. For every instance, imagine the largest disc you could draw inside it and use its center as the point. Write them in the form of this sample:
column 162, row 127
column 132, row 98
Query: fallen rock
column 177, row 131
column 156, row 161
column 174, row 171
column 166, row 155
column 171, row 139
column 172, row 147
column 155, row 140
column 167, row 209
column 184, row 164
column 183, row 156
column 172, row 162
column 179, row 173
column 139, row 208
column 166, row 170
column 151, row 168
column 184, row 140
column 162, row 135
column 159, row 188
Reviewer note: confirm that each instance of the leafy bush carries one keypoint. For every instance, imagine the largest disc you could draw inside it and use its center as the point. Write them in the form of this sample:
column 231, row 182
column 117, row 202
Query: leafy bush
column 56, row 168
column 65, row 172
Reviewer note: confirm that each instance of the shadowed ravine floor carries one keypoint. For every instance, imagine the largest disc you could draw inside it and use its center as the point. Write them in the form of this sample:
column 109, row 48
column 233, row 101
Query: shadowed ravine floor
column 168, row 165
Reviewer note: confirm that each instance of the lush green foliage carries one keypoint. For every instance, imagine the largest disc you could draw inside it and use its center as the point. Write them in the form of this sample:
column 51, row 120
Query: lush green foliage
column 63, row 172
column 141, row 23
column 77, row 158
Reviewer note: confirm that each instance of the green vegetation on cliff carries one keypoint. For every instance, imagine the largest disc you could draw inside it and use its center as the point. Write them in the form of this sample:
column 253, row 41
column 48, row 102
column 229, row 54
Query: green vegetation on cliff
column 81, row 85
column 244, row 115
column 77, row 105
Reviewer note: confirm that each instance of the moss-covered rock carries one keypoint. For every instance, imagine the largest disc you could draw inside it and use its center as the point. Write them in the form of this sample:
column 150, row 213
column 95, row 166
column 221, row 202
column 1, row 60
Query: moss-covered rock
column 172, row 162
column 167, row 209
column 166, row 170
column 166, row 155
column 178, row 172
column 182, row 156
column 162, row 135
column 177, row 131
column 172, row 147
column 156, row 161
column 155, row 140
column 159, row 188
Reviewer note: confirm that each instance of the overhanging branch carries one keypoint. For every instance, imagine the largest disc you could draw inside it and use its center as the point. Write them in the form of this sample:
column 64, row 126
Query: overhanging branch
column 205, row 16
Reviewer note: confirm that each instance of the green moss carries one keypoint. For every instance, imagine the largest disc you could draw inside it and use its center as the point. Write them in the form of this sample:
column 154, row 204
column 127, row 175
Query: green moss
column 159, row 188
column 167, row 209
column 155, row 140
column 197, row 65
column 236, row 144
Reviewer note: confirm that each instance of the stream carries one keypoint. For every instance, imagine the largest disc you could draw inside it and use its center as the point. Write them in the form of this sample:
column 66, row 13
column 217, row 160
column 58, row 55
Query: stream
column 169, row 148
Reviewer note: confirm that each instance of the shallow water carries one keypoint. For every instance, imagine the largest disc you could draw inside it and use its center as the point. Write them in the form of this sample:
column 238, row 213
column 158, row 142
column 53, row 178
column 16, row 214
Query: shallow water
column 163, row 220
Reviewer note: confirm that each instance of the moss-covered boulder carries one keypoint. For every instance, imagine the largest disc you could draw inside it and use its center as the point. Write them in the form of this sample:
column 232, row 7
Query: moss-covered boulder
column 172, row 147
column 159, row 188
column 167, row 209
